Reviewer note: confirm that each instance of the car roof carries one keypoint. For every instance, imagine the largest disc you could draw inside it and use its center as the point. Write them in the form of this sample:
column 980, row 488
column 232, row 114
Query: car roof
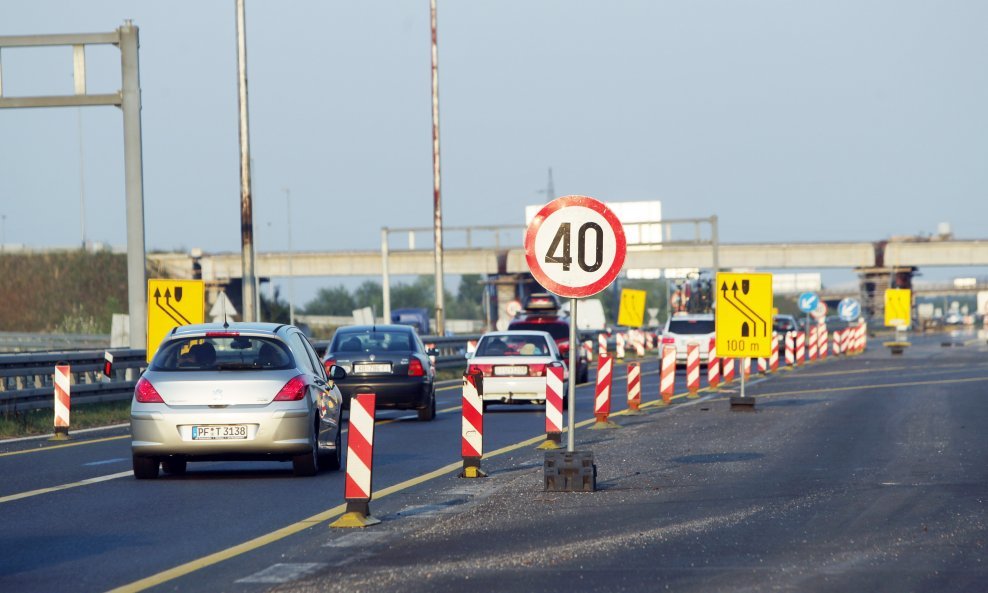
column 237, row 326
column 693, row 317
column 349, row 329
column 518, row 332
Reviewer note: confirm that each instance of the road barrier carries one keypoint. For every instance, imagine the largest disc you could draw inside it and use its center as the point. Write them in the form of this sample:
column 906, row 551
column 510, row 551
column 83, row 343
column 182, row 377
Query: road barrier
column 649, row 341
column 588, row 350
column 553, row 408
column 713, row 365
column 602, row 394
column 812, row 344
column 728, row 369
column 639, row 343
column 838, row 337
column 762, row 365
column 601, row 345
column 746, row 367
column 619, row 346
column 790, row 349
column 634, row 388
column 63, row 402
column 693, row 370
column 667, row 374
column 773, row 359
column 823, row 340
column 359, row 463
column 800, row 348
column 472, row 436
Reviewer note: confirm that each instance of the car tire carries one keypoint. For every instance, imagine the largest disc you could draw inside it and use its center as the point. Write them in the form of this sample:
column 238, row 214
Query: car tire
column 174, row 467
column 307, row 464
column 145, row 468
column 332, row 461
column 429, row 412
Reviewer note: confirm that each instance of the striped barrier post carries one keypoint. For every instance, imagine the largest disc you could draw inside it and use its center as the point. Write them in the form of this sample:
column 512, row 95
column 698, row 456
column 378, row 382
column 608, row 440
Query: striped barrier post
column 713, row 365
column 693, row 370
column 634, row 389
column 619, row 345
column 472, row 428
column 823, row 337
column 639, row 344
column 727, row 370
column 602, row 394
column 601, row 344
column 836, row 339
column 773, row 359
column 667, row 374
column 864, row 337
column 790, row 349
column 359, row 463
column 811, row 344
column 746, row 367
column 762, row 365
column 800, row 348
column 649, row 341
column 553, row 408
column 63, row 403
column 588, row 350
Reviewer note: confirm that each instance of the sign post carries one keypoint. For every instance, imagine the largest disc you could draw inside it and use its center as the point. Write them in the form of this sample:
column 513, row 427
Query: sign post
column 575, row 247
column 743, row 322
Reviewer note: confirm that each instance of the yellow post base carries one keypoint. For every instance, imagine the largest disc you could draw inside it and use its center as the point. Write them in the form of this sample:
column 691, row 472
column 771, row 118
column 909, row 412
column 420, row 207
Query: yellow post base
column 473, row 472
column 549, row 445
column 603, row 425
column 354, row 519
column 60, row 436
column 693, row 395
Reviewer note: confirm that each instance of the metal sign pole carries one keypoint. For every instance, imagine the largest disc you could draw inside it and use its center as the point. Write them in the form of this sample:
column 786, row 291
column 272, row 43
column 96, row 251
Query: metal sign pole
column 571, row 396
column 742, row 377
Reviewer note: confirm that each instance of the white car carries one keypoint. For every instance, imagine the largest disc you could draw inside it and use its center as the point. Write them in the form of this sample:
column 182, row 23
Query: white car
column 514, row 365
column 680, row 330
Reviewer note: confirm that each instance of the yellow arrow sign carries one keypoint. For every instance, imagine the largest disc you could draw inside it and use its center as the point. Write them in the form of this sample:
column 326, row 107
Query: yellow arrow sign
column 743, row 320
column 632, row 310
column 898, row 307
column 172, row 303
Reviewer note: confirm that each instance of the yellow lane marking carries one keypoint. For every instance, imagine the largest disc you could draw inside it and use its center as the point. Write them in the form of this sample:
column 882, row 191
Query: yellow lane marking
column 858, row 372
column 85, row 482
column 881, row 386
column 53, row 447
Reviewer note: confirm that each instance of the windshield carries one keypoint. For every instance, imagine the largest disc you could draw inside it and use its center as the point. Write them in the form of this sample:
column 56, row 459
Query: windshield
column 513, row 346
column 226, row 353
column 691, row 326
column 372, row 341
column 558, row 331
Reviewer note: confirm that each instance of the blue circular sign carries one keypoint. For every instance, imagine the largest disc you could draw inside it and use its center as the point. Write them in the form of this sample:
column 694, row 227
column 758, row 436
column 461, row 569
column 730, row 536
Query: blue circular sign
column 808, row 301
column 849, row 309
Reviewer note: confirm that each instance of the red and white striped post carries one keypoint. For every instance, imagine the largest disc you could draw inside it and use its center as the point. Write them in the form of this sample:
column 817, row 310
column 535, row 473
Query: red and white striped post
column 790, row 349
column 602, row 344
column 588, row 350
column 692, row 370
column 472, row 435
column 359, row 463
column 727, row 364
column 619, row 345
column 838, row 338
column 634, row 388
column 667, row 374
column 639, row 343
column 864, row 337
column 746, row 367
column 812, row 344
column 773, row 359
column 649, row 341
column 713, row 365
column 800, row 348
column 763, row 365
column 63, row 382
column 602, row 394
column 553, row 408
column 823, row 337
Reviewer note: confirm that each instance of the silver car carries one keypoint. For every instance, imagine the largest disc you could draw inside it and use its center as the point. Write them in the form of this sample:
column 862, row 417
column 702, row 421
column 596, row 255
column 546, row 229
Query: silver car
column 241, row 391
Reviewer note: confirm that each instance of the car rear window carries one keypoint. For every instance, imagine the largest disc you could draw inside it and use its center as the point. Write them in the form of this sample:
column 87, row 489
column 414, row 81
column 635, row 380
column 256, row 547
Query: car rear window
column 513, row 346
column 556, row 329
column 372, row 341
column 227, row 353
column 691, row 326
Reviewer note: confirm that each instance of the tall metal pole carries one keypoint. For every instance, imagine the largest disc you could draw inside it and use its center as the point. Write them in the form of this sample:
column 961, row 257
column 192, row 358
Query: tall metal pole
column 291, row 272
column 436, row 192
column 385, row 276
column 134, row 183
column 715, row 241
column 79, row 74
column 571, row 396
column 249, row 304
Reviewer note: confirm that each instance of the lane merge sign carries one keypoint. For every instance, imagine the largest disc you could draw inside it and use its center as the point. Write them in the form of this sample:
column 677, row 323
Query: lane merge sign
column 898, row 307
column 172, row 303
column 631, row 313
column 743, row 320
column 575, row 246
column 808, row 302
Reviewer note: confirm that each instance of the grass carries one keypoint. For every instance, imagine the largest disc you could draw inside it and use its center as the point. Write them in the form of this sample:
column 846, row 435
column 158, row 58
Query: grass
column 38, row 422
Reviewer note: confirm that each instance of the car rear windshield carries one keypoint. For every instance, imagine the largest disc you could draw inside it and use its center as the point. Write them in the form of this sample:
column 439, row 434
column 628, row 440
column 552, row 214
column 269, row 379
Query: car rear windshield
column 558, row 331
column 513, row 346
column 691, row 326
column 373, row 341
column 227, row 353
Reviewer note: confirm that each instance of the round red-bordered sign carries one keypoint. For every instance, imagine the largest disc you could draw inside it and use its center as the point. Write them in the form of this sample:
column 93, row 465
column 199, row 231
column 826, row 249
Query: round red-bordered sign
column 584, row 260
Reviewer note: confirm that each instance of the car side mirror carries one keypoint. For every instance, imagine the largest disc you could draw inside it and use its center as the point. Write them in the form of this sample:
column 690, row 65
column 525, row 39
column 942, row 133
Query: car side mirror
column 336, row 373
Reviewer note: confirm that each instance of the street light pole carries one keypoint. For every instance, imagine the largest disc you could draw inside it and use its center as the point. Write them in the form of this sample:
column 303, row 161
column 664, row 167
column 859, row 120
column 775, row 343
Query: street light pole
column 291, row 273
column 249, row 303
column 436, row 192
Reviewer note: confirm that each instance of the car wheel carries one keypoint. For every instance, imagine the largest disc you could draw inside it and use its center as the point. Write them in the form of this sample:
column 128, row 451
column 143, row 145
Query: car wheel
column 145, row 468
column 307, row 464
column 175, row 467
column 429, row 412
column 331, row 461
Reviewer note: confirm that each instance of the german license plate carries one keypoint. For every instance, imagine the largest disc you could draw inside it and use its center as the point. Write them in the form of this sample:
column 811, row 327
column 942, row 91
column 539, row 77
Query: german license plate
column 511, row 371
column 367, row 367
column 219, row 432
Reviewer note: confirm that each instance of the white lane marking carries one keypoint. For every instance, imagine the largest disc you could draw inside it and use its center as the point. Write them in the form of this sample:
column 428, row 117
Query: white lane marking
column 283, row 572
column 74, row 431
column 85, row 482
column 106, row 461
column 359, row 538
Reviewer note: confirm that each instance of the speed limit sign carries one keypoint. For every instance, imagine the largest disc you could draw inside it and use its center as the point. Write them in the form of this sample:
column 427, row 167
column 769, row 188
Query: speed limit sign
column 575, row 246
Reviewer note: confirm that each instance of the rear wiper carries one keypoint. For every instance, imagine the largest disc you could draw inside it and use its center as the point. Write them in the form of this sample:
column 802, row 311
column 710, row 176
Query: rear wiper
column 237, row 366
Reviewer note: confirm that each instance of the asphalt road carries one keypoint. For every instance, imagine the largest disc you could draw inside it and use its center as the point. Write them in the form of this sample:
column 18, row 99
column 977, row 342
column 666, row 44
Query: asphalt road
column 866, row 473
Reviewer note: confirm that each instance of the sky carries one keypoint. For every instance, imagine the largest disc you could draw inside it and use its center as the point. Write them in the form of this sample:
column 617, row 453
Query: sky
column 851, row 120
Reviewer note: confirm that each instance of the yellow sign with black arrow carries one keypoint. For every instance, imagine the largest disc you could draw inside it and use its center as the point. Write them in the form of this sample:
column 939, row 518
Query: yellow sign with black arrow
column 632, row 310
column 172, row 303
column 898, row 307
column 743, row 319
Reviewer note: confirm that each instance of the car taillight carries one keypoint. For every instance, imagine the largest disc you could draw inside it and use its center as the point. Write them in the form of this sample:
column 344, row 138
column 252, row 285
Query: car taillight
column 328, row 363
column 293, row 391
column 484, row 369
column 536, row 370
column 668, row 340
column 224, row 334
column 145, row 393
column 415, row 368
